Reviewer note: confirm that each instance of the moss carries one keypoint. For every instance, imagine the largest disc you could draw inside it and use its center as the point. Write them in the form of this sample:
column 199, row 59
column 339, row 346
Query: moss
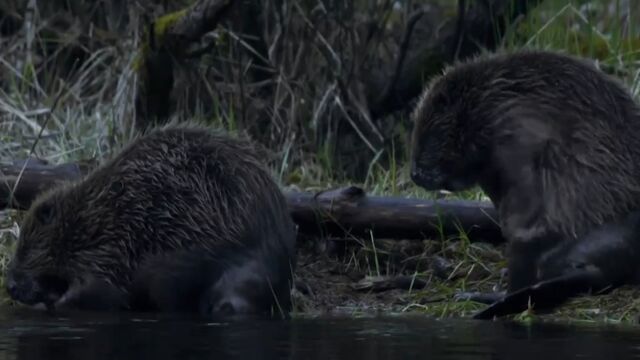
column 160, row 27
column 28, row 76
column 165, row 22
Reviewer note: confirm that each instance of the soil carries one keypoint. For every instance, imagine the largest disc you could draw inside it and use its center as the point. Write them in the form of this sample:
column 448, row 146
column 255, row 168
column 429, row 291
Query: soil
column 397, row 276
column 338, row 276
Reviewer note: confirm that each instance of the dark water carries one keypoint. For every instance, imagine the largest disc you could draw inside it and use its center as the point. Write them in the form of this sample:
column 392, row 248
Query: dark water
column 26, row 335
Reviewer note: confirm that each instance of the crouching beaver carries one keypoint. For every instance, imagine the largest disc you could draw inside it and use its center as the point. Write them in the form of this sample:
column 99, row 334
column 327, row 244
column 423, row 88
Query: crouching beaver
column 604, row 259
column 552, row 141
column 181, row 210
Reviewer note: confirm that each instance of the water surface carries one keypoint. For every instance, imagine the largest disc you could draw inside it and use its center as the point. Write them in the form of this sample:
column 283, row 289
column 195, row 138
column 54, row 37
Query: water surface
column 33, row 335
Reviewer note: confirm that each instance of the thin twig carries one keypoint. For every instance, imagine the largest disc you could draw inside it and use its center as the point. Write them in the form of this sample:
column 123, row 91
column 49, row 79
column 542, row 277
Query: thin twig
column 402, row 53
column 460, row 29
column 35, row 142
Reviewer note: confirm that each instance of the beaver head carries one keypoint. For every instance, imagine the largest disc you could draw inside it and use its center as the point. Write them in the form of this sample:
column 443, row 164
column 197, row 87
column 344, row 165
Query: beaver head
column 55, row 253
column 447, row 150
column 483, row 122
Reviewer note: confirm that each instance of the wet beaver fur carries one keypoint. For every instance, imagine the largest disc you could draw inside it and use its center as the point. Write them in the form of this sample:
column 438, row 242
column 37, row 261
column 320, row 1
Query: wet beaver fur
column 553, row 142
column 184, row 218
column 604, row 259
column 185, row 281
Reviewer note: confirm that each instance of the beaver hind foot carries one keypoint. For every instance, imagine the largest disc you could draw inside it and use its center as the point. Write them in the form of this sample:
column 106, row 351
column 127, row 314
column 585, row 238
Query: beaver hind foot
column 221, row 285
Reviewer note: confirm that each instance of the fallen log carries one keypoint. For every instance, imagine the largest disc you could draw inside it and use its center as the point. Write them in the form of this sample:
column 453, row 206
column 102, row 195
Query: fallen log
column 341, row 212
column 33, row 177
column 349, row 211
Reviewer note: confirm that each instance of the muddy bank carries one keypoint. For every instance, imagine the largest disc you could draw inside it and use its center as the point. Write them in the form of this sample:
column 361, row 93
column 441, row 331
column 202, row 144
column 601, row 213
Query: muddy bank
column 355, row 277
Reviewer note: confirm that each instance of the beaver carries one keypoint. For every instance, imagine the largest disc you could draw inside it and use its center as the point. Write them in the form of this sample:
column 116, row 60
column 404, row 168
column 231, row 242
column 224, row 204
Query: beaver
column 175, row 188
column 550, row 139
column 606, row 258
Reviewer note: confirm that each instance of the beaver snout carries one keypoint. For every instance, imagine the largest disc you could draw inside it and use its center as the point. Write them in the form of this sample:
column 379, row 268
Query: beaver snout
column 23, row 288
column 31, row 290
column 428, row 180
column 437, row 178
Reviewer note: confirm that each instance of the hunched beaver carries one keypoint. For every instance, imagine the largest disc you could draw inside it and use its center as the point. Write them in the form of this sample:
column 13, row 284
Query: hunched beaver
column 175, row 190
column 553, row 142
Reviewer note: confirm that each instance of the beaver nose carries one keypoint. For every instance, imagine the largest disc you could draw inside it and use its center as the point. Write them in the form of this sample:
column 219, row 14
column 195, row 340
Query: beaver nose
column 21, row 287
column 13, row 282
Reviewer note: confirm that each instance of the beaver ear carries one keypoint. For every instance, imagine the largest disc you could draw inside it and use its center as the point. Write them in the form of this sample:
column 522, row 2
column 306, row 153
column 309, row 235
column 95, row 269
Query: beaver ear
column 44, row 213
column 116, row 188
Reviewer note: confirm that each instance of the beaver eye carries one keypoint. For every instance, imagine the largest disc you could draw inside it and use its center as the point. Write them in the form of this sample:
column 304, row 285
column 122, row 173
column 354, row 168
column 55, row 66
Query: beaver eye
column 579, row 265
column 44, row 213
column 117, row 188
column 429, row 155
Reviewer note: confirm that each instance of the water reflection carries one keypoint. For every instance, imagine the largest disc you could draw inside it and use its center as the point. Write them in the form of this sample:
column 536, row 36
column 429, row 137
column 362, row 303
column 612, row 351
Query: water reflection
column 28, row 335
